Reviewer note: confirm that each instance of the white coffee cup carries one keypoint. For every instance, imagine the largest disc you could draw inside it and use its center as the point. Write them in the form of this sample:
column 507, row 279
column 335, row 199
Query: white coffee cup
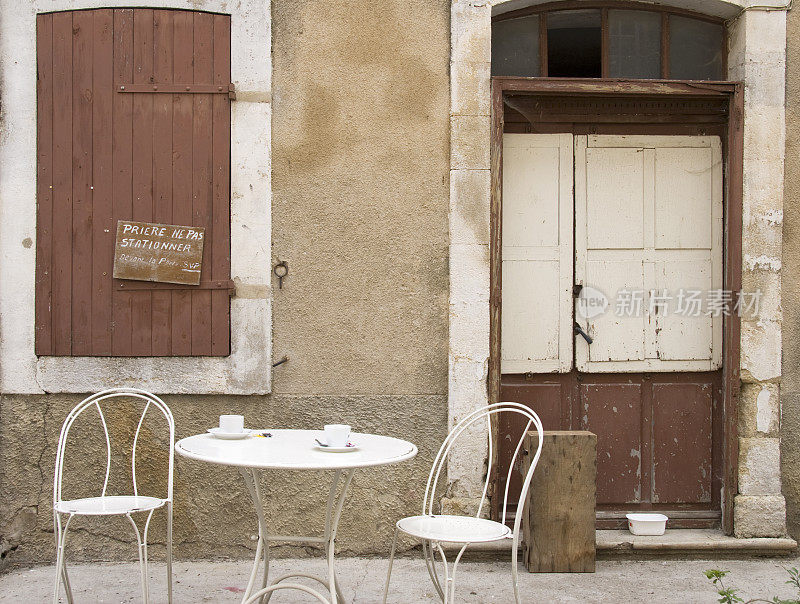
column 231, row 424
column 337, row 435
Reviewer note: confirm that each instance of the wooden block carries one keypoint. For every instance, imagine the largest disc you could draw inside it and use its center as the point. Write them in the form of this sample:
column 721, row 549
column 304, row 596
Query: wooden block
column 559, row 517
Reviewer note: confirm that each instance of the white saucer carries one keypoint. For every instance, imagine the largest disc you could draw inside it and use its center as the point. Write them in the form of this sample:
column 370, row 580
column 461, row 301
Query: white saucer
column 352, row 447
column 229, row 435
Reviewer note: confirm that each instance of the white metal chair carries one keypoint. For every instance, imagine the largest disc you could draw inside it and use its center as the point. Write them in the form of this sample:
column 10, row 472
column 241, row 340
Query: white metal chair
column 112, row 505
column 435, row 529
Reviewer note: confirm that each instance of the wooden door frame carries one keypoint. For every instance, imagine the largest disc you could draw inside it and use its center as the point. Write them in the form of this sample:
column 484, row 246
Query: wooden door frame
column 733, row 93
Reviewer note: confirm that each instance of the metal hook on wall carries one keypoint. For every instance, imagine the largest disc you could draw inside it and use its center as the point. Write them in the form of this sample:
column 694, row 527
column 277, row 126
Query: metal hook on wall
column 281, row 270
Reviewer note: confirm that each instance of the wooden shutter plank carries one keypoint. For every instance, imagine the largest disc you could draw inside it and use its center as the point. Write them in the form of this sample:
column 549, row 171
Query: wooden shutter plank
column 62, row 182
column 201, row 174
column 81, row 303
column 123, row 163
column 104, row 156
column 103, row 227
column 220, row 243
column 183, row 28
column 162, row 169
column 44, row 181
column 537, row 253
column 141, row 303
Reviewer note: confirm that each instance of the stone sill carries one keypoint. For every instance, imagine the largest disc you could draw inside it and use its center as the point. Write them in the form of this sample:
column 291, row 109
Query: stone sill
column 683, row 542
column 691, row 542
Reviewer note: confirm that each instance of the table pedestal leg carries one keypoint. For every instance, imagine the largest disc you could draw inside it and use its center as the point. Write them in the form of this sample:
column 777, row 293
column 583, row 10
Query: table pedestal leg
column 333, row 513
column 252, row 480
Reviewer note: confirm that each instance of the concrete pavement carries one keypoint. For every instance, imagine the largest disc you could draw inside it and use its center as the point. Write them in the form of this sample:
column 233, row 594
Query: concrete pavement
column 362, row 581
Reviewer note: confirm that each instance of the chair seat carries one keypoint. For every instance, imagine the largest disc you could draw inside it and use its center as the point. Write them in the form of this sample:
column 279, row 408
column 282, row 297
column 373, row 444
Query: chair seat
column 454, row 529
column 108, row 506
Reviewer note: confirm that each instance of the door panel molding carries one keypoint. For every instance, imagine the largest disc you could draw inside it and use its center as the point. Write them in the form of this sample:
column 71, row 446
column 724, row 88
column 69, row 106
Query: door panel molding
column 537, row 266
column 632, row 241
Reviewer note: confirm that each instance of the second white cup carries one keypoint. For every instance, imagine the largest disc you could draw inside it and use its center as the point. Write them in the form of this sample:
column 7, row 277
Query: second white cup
column 337, row 435
column 231, row 424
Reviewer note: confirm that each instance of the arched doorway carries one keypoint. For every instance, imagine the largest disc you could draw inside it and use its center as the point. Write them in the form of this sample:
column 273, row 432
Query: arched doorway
column 590, row 108
column 635, row 222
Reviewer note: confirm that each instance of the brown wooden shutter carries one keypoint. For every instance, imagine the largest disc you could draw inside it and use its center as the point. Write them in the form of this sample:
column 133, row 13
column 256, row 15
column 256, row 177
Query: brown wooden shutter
column 133, row 123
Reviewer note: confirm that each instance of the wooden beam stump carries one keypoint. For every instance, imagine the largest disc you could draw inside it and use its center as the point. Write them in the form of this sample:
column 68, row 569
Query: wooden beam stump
column 559, row 516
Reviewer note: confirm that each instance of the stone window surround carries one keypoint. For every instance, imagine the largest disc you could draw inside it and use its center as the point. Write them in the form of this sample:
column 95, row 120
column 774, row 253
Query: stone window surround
column 248, row 368
column 757, row 51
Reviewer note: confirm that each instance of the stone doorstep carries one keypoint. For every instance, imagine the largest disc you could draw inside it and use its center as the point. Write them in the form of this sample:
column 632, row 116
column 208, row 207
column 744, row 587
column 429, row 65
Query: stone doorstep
column 708, row 542
column 692, row 541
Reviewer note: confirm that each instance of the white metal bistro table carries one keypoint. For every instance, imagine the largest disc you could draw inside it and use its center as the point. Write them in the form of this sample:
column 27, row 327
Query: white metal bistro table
column 296, row 450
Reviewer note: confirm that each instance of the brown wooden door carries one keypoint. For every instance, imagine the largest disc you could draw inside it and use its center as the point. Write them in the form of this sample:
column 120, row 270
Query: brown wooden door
column 654, row 403
column 134, row 124
column 659, row 437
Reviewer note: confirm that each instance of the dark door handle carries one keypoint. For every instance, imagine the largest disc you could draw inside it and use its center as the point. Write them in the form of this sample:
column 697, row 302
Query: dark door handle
column 580, row 332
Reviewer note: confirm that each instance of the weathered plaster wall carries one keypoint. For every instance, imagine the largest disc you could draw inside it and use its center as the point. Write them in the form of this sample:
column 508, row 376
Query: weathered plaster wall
column 360, row 136
column 790, row 386
column 360, row 190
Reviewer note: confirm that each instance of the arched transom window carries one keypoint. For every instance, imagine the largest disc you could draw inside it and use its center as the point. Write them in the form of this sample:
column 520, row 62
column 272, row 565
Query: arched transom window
column 608, row 40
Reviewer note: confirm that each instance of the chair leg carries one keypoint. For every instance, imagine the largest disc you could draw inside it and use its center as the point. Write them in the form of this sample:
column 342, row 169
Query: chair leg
column 145, row 572
column 447, row 578
column 453, row 575
column 169, row 553
column 391, row 561
column 514, row 572
column 65, row 577
column 61, row 566
column 430, row 563
column 142, row 564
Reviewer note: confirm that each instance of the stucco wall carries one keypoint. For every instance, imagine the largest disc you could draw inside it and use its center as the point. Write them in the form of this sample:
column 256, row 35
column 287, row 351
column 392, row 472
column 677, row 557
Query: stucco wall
column 360, row 170
column 790, row 386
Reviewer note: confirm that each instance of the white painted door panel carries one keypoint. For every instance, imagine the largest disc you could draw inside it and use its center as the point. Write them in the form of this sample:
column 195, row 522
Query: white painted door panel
column 623, row 336
column 537, row 274
column 684, row 193
column 648, row 219
column 614, row 186
column 679, row 336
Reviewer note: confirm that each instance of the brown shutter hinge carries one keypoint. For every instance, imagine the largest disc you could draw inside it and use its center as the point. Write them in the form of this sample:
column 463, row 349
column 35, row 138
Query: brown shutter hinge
column 230, row 90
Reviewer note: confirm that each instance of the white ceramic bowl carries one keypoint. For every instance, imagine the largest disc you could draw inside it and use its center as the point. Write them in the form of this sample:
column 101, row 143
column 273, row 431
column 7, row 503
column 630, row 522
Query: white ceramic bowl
column 646, row 524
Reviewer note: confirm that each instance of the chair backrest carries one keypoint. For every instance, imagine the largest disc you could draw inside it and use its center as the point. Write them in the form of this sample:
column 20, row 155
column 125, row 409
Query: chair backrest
column 486, row 413
column 98, row 401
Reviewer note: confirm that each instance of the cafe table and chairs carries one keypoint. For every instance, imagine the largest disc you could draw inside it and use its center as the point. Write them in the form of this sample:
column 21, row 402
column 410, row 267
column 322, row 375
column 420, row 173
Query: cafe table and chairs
column 291, row 451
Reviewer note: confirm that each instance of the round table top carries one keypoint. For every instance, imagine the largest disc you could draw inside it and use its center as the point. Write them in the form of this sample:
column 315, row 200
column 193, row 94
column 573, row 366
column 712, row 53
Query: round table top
column 295, row 450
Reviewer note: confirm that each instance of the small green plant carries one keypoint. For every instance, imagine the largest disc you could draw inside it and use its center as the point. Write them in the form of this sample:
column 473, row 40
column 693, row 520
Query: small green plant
column 729, row 595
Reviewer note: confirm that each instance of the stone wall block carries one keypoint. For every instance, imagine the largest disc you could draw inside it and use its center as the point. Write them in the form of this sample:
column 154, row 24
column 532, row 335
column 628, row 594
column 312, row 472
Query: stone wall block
column 759, row 516
column 759, row 466
column 762, row 184
column 766, row 31
column 761, row 351
column 469, row 273
column 469, row 329
column 469, row 142
column 470, row 32
column 467, row 392
column 759, row 410
column 470, row 88
column 768, row 283
column 764, row 82
column 469, row 206
column 764, row 136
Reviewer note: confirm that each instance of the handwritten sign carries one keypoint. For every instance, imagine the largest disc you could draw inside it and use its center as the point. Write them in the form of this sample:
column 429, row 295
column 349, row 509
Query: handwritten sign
column 158, row 252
